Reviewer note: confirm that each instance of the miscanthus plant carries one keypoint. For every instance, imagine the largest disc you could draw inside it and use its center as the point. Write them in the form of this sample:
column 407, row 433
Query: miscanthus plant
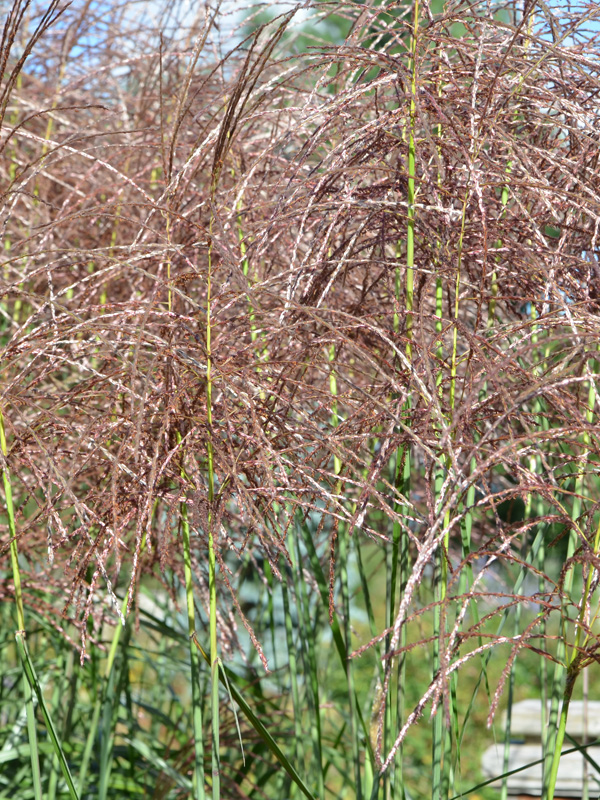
column 298, row 396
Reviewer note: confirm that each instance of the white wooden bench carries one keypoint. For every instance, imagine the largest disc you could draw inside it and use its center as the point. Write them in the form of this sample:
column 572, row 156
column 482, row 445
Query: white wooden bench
column 526, row 748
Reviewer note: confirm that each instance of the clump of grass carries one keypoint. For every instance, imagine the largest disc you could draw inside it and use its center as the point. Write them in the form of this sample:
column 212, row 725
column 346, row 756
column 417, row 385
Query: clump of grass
column 276, row 324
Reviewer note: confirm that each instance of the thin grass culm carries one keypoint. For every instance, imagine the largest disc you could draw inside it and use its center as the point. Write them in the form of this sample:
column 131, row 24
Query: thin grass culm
column 299, row 400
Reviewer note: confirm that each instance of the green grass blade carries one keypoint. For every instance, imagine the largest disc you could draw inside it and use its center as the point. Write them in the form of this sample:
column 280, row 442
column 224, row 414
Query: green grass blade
column 294, row 674
column 36, row 688
column 160, row 764
column 258, row 726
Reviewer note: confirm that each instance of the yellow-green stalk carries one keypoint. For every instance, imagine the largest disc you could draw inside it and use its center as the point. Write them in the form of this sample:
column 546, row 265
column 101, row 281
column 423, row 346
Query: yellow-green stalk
column 399, row 557
column 20, row 610
column 576, row 660
column 212, row 562
column 343, row 557
column 198, row 776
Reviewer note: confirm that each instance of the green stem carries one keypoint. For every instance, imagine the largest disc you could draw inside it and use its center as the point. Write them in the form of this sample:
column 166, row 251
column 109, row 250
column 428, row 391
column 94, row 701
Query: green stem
column 343, row 556
column 410, row 231
column 212, row 562
column 572, row 674
column 14, row 559
column 198, row 776
column 553, row 748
